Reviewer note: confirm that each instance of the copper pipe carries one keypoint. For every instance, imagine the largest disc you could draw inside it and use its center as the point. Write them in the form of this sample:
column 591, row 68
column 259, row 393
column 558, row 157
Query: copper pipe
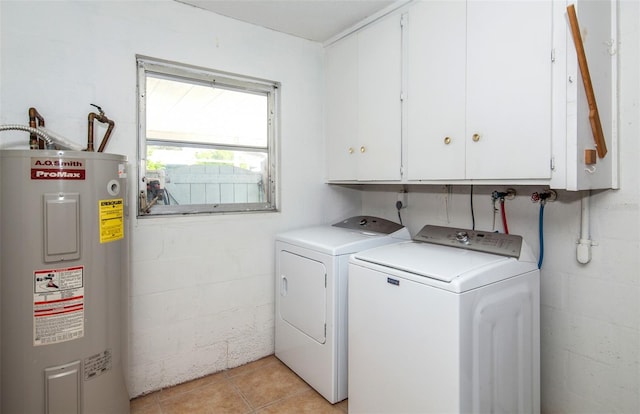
column 107, row 134
column 34, row 142
column 101, row 117
column 90, row 137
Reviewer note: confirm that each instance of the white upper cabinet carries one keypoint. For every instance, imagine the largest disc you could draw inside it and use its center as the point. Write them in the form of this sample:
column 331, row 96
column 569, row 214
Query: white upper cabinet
column 482, row 91
column 479, row 90
column 363, row 104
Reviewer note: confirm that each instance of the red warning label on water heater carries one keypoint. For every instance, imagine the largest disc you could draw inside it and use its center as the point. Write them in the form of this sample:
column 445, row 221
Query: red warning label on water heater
column 58, row 305
column 57, row 169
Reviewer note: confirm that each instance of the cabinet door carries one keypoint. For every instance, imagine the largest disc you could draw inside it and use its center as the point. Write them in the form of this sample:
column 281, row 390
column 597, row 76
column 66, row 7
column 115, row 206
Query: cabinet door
column 436, row 37
column 341, row 109
column 509, row 89
column 379, row 100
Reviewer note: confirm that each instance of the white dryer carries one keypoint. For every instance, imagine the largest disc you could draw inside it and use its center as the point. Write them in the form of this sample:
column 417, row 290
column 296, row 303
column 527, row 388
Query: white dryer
column 311, row 297
column 446, row 323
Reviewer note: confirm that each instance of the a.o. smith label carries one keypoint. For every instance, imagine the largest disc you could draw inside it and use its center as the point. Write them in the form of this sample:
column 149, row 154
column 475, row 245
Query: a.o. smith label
column 57, row 169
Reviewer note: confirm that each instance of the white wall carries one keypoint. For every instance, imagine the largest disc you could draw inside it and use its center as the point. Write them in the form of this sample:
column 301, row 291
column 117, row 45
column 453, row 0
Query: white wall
column 201, row 290
column 590, row 314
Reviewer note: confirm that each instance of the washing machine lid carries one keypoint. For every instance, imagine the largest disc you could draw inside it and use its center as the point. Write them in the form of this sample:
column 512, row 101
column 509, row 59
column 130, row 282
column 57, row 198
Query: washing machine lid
column 432, row 261
column 346, row 237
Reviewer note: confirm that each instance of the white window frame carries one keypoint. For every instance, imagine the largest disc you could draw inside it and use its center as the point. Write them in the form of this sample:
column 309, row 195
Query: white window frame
column 176, row 71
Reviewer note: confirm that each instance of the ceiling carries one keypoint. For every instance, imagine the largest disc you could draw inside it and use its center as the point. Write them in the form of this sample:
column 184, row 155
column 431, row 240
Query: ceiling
column 317, row 20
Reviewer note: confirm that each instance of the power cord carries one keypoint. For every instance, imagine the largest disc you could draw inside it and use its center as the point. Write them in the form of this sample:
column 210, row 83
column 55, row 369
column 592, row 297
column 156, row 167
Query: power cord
column 399, row 207
column 473, row 215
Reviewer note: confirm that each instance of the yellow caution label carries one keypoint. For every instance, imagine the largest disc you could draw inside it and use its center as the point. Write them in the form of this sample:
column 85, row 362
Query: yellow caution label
column 111, row 220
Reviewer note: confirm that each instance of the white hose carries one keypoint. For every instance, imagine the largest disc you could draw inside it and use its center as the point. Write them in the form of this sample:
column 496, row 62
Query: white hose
column 61, row 141
column 49, row 137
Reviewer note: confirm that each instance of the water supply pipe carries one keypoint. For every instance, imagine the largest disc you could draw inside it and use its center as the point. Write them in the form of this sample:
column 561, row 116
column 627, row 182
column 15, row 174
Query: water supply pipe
column 101, row 118
column 583, row 251
column 542, row 198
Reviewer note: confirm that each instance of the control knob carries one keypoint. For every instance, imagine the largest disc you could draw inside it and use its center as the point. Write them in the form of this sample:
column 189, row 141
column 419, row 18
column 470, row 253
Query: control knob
column 462, row 237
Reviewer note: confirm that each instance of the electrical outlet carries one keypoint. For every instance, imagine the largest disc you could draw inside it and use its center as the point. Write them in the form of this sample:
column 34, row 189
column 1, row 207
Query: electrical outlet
column 403, row 199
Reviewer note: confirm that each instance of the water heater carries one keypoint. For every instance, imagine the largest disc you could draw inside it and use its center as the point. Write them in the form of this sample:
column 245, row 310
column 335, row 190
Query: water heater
column 64, row 266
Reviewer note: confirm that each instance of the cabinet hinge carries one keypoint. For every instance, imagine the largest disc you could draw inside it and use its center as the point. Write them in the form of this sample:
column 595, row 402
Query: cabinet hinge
column 403, row 20
column 401, row 96
column 552, row 164
column 553, row 55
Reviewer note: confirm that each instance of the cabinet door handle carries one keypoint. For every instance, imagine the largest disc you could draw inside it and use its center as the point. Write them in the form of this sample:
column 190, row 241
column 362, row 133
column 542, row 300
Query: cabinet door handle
column 362, row 149
column 475, row 137
column 350, row 150
column 447, row 140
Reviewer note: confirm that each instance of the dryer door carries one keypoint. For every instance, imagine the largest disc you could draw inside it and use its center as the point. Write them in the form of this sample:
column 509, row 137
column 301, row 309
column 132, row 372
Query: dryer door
column 303, row 294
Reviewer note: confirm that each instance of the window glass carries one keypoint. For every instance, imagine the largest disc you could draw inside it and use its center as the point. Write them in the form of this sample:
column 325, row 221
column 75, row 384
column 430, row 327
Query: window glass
column 207, row 141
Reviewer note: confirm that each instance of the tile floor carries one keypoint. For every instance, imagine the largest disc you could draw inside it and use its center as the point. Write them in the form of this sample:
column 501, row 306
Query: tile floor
column 266, row 386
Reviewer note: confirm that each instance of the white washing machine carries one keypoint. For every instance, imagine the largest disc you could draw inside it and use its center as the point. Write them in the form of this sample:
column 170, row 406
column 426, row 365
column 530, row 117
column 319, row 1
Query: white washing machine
column 446, row 323
column 311, row 297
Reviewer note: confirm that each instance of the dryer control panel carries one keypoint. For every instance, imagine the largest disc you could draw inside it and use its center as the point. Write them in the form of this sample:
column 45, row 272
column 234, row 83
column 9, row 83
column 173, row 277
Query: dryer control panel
column 496, row 243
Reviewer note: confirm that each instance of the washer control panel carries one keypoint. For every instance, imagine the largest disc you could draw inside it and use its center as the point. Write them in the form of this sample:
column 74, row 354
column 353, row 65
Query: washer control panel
column 369, row 224
column 482, row 241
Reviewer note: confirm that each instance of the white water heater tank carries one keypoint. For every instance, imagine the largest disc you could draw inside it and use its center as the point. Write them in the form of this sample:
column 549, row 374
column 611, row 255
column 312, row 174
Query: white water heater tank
column 64, row 267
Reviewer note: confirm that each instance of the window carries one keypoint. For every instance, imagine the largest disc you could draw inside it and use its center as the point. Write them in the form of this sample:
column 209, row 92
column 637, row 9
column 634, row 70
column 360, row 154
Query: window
column 206, row 140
